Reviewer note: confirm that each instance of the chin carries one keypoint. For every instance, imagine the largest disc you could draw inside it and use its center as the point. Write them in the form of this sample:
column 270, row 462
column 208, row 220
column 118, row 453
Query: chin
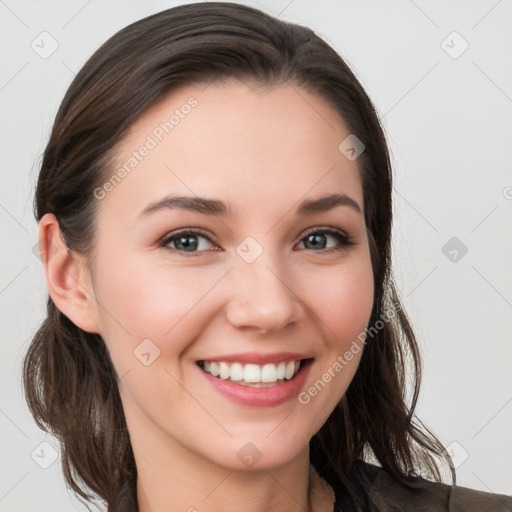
column 262, row 451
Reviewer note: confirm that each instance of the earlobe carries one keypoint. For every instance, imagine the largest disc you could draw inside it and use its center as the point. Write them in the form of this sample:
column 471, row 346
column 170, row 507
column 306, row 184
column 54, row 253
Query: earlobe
column 67, row 277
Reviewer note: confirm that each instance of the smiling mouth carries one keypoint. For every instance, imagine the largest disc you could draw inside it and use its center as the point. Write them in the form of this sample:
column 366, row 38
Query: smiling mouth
column 254, row 375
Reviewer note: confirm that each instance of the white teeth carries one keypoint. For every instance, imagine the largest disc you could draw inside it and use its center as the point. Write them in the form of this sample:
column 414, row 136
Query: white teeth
column 214, row 369
column 252, row 373
column 237, row 371
column 269, row 373
column 281, row 370
column 290, row 370
column 223, row 371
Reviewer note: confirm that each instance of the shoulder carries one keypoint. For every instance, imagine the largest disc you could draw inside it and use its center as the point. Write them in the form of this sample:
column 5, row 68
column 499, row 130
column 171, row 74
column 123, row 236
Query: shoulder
column 420, row 495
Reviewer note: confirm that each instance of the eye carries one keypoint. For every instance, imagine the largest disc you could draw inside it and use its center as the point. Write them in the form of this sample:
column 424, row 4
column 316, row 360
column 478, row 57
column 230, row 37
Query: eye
column 187, row 242
column 317, row 237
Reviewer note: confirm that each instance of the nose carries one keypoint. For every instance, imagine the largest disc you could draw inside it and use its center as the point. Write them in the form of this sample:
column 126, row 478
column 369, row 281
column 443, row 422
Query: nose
column 262, row 295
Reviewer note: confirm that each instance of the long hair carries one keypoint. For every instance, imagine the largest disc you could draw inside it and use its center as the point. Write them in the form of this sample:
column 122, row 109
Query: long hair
column 70, row 384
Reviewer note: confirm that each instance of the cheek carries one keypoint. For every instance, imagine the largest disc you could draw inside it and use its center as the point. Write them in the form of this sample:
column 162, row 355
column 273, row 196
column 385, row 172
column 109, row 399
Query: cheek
column 343, row 300
column 156, row 302
column 342, row 303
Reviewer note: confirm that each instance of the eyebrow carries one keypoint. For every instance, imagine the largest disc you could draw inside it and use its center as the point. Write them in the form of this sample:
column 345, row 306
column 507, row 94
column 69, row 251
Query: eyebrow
column 215, row 207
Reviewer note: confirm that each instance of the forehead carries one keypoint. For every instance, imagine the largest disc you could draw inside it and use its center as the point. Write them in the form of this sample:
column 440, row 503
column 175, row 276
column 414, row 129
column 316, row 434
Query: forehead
column 233, row 141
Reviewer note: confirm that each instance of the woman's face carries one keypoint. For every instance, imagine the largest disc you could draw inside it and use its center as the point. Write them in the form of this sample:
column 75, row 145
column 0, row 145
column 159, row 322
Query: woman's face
column 260, row 283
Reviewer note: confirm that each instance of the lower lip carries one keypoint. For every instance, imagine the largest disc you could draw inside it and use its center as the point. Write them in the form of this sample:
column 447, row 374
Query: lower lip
column 260, row 397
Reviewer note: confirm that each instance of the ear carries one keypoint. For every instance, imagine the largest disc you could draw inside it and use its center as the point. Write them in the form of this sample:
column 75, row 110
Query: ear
column 67, row 277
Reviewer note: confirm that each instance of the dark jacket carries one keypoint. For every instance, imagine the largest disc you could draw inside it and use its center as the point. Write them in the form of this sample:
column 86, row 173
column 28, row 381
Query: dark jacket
column 384, row 493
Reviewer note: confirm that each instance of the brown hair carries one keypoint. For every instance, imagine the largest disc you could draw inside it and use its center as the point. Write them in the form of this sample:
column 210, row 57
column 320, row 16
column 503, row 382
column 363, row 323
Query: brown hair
column 69, row 380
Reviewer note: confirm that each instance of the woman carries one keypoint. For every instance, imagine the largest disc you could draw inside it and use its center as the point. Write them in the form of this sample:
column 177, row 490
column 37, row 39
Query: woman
column 223, row 331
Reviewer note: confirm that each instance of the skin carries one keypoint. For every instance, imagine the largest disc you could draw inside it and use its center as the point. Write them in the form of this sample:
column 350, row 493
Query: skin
column 261, row 150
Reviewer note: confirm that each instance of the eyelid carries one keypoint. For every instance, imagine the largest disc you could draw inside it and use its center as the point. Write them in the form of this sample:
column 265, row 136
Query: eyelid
column 326, row 229
column 186, row 231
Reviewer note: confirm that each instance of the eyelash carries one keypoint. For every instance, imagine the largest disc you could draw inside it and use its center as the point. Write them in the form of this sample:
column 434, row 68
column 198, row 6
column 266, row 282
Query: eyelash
column 345, row 241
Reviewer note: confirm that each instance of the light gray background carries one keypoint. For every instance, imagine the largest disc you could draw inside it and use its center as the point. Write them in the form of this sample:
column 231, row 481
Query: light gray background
column 449, row 125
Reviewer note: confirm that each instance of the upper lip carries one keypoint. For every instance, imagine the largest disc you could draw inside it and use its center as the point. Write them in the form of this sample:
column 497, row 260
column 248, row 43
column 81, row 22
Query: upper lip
column 258, row 357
